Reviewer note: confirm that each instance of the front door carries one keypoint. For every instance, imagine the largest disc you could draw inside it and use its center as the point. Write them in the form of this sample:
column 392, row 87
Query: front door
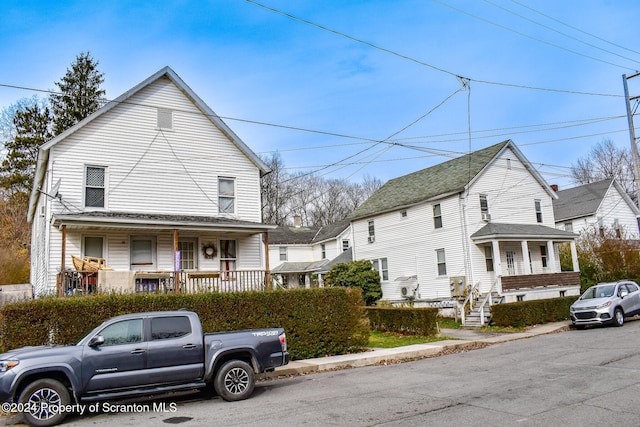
column 511, row 262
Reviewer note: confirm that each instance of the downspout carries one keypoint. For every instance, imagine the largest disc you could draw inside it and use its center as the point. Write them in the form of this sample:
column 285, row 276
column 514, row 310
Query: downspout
column 466, row 238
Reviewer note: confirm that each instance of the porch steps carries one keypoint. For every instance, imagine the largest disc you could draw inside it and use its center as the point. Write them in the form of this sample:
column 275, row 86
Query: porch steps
column 473, row 318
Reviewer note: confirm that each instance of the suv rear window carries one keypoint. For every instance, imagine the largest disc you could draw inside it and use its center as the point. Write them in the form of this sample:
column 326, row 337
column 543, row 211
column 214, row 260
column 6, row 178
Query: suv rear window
column 163, row 328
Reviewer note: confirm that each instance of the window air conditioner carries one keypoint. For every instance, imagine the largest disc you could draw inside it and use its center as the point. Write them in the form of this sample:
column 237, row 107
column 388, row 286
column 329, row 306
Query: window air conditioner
column 486, row 216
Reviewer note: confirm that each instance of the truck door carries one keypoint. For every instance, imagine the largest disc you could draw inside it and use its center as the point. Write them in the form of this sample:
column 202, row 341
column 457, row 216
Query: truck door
column 118, row 362
column 175, row 352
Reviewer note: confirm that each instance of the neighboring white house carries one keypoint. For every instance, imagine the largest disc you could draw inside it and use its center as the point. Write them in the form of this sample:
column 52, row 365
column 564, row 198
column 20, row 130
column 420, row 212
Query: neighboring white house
column 596, row 206
column 299, row 256
column 157, row 185
column 482, row 220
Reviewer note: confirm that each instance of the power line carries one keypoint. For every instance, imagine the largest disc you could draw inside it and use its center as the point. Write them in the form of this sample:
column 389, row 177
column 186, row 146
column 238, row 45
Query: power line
column 558, row 32
column 574, row 28
column 408, row 58
column 528, row 36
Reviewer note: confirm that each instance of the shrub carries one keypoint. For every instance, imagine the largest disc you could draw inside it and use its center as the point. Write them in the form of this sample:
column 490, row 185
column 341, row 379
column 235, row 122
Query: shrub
column 525, row 313
column 318, row 322
column 417, row 321
column 357, row 274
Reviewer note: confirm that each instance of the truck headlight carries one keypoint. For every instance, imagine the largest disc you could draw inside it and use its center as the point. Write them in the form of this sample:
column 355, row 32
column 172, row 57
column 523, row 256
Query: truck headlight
column 5, row 365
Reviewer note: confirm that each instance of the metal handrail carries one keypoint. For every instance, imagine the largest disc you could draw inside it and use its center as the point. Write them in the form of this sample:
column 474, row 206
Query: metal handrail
column 488, row 298
column 469, row 300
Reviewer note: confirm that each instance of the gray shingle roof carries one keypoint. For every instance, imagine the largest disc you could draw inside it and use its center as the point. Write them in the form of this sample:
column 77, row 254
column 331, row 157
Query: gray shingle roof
column 307, row 235
column 519, row 231
column 445, row 178
column 580, row 201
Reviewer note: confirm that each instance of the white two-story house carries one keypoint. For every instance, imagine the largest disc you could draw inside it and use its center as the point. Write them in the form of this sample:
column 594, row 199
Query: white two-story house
column 157, row 187
column 481, row 223
column 597, row 206
column 300, row 256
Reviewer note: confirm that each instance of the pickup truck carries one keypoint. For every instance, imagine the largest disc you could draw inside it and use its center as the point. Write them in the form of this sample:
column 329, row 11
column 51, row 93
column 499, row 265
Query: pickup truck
column 133, row 355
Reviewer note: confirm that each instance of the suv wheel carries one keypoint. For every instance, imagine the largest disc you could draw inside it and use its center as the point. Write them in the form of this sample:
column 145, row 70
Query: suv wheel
column 618, row 317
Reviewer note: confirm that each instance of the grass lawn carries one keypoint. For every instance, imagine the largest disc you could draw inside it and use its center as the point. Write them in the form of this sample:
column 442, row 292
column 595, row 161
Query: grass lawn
column 391, row 340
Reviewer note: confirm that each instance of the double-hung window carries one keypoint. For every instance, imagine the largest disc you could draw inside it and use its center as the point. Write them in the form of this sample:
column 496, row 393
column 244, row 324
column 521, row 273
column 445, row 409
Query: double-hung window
column 283, row 253
column 226, row 195
column 538, row 211
column 543, row 256
column 380, row 265
column 437, row 216
column 372, row 231
column 228, row 255
column 442, row 263
column 488, row 257
column 94, row 186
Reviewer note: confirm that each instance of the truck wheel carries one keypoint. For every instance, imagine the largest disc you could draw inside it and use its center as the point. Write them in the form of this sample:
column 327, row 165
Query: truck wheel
column 42, row 400
column 234, row 381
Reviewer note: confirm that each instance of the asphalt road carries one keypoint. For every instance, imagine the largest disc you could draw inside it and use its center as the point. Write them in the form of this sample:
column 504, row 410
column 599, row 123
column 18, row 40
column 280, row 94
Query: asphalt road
column 572, row 378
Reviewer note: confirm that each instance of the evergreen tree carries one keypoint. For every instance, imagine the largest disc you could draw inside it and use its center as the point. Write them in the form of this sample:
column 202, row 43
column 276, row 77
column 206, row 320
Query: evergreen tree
column 32, row 129
column 79, row 93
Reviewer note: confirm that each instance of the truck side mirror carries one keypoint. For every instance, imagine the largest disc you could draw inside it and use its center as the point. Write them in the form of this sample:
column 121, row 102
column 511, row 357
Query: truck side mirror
column 96, row 341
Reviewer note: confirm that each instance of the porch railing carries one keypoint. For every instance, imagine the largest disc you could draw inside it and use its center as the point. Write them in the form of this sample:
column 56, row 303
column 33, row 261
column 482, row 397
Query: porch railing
column 540, row 280
column 470, row 299
column 73, row 282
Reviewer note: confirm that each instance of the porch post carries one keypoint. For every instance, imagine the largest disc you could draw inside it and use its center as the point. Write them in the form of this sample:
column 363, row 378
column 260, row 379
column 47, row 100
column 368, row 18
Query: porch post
column 497, row 264
column 525, row 257
column 551, row 257
column 176, row 267
column 64, row 255
column 574, row 256
column 267, row 273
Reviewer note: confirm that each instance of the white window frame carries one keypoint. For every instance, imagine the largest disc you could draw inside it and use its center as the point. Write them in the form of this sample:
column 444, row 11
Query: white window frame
column 538, row 207
column 283, row 253
column 441, row 261
column 232, row 261
column 323, row 250
column 371, row 227
column 194, row 242
column 153, row 255
column 94, row 236
column 437, row 216
column 381, row 265
column 544, row 257
column 226, row 197
column 85, row 186
column 345, row 245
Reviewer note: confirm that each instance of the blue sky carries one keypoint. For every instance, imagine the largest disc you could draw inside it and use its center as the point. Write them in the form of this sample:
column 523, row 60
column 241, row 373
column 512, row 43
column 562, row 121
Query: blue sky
column 251, row 64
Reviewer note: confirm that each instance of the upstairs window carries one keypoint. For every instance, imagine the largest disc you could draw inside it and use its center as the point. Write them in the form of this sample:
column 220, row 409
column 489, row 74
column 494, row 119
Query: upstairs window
column 94, row 186
column 226, row 195
column 283, row 253
column 323, row 249
column 437, row 216
column 484, row 204
column 538, row 211
column 345, row 245
column 372, row 231
column 568, row 226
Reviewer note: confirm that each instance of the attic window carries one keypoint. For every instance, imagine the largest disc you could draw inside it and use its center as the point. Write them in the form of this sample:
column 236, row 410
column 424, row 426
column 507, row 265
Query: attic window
column 165, row 119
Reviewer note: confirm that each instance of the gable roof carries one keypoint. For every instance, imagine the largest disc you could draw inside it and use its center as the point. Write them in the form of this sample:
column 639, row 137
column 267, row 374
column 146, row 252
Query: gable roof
column 166, row 72
column 437, row 181
column 585, row 200
column 307, row 235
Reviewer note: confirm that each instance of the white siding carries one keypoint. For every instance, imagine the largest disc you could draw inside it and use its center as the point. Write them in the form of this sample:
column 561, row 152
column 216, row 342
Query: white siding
column 157, row 171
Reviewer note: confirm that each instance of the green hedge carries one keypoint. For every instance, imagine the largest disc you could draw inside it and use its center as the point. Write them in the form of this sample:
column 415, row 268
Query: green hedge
column 318, row 322
column 418, row 321
column 525, row 313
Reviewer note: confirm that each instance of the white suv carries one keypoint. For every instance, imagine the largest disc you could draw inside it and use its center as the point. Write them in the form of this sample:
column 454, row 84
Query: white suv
column 606, row 303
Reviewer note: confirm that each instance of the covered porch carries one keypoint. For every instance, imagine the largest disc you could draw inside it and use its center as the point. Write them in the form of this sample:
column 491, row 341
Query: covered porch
column 524, row 256
column 161, row 253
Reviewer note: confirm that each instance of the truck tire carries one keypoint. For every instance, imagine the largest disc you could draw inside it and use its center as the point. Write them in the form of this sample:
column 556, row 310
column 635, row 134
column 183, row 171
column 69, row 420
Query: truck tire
column 41, row 397
column 234, row 380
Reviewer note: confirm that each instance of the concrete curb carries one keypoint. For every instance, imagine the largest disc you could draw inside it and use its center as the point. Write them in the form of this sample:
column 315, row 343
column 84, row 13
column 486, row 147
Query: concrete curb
column 383, row 356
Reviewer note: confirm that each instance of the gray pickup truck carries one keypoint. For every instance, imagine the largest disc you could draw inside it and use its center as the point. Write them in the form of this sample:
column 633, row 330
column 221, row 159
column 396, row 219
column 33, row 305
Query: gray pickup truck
column 136, row 354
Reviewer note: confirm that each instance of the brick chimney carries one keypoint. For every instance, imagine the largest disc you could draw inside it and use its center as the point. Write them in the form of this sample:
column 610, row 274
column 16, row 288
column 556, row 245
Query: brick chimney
column 297, row 221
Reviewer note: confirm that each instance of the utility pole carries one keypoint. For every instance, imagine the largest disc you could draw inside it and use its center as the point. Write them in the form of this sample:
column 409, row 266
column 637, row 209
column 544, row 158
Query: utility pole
column 632, row 134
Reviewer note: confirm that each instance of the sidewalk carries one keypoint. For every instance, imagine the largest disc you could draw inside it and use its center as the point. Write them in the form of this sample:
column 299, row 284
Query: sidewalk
column 461, row 339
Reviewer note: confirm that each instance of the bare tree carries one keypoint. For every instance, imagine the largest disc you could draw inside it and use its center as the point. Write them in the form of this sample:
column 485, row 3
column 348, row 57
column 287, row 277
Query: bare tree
column 606, row 161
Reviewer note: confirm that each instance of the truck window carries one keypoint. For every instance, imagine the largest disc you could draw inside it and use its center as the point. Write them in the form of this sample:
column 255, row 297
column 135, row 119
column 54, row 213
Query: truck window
column 163, row 328
column 125, row 332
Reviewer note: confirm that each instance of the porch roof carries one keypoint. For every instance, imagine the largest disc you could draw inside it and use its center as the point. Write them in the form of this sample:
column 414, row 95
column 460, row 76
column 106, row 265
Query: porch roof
column 501, row 231
column 158, row 222
column 299, row 267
